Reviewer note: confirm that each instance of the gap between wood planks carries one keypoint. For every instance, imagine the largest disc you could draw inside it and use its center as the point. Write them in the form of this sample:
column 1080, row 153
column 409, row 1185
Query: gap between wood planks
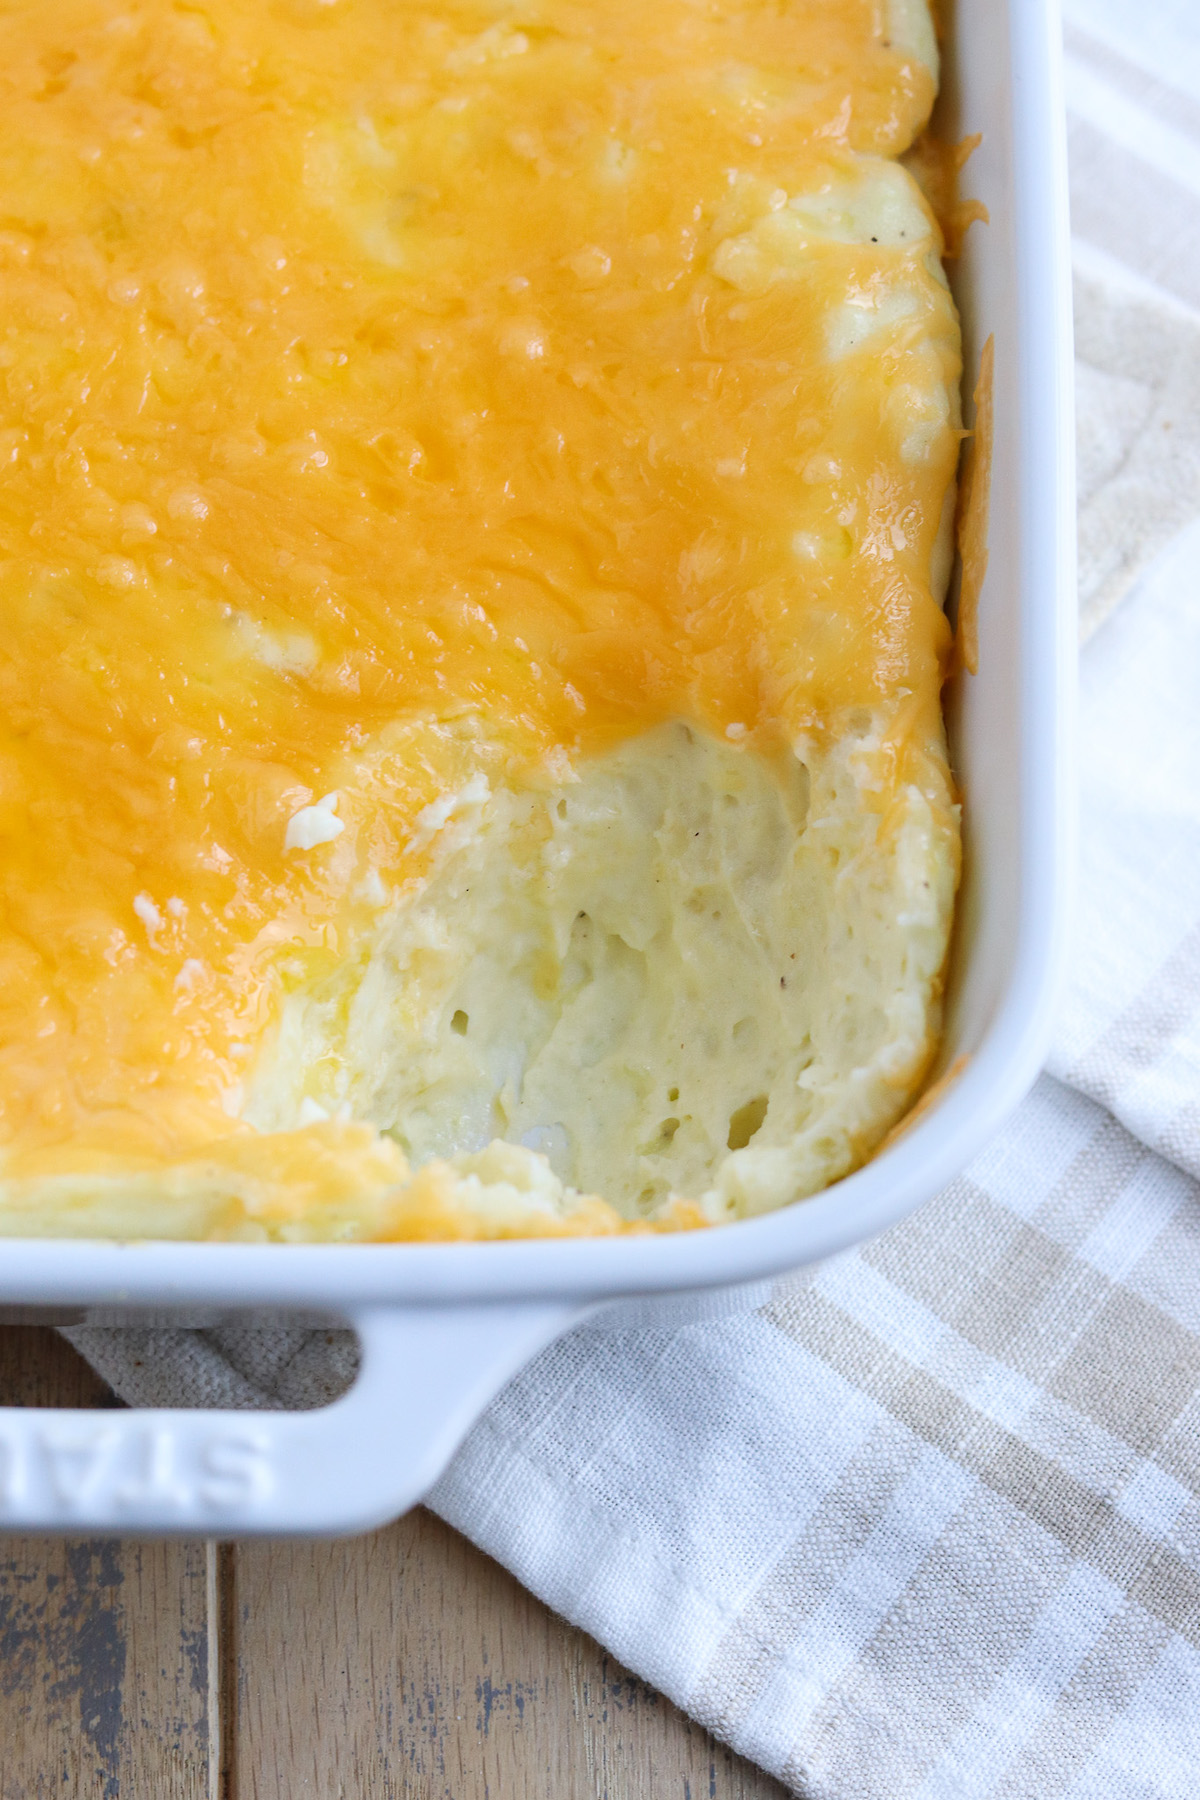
column 220, row 1605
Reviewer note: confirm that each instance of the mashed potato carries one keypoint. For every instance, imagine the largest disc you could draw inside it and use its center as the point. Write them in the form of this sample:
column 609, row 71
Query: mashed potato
column 476, row 514
column 697, row 969
column 694, row 968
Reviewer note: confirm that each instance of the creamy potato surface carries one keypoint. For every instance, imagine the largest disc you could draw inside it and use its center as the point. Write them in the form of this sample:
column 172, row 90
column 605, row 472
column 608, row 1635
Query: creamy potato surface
column 475, row 487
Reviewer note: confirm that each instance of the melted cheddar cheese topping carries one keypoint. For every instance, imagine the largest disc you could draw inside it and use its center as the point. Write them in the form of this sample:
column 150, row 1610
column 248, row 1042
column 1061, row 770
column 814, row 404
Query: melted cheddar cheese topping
column 394, row 396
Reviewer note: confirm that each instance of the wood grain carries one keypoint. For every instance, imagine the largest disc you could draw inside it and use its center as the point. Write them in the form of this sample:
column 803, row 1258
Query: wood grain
column 39, row 1368
column 409, row 1664
column 102, row 1642
column 400, row 1666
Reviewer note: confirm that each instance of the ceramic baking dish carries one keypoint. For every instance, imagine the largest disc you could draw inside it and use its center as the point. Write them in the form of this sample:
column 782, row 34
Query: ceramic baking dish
column 442, row 1327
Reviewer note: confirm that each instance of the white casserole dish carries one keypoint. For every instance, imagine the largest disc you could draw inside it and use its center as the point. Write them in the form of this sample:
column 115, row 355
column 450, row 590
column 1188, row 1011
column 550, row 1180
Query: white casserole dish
column 442, row 1327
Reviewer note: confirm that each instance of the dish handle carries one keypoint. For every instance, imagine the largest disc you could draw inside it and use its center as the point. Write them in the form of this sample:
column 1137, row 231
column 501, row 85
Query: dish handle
column 426, row 1374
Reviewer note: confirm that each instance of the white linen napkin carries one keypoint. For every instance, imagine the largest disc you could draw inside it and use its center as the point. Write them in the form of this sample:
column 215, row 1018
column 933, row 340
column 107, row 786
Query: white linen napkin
column 926, row 1524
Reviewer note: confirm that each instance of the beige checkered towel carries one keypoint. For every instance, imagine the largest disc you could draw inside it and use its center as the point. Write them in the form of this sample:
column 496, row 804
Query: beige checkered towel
column 926, row 1525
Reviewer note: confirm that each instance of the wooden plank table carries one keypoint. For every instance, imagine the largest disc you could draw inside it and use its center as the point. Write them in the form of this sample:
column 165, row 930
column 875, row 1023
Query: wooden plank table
column 400, row 1664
